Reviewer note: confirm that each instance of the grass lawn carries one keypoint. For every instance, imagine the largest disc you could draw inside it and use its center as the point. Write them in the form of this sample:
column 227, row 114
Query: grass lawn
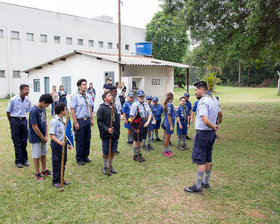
column 245, row 182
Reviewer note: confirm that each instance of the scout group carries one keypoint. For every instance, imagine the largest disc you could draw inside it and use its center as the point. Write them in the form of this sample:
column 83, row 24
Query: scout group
column 208, row 116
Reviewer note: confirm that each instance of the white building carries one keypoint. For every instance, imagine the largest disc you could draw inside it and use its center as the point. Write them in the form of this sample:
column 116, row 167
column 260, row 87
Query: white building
column 155, row 77
column 31, row 36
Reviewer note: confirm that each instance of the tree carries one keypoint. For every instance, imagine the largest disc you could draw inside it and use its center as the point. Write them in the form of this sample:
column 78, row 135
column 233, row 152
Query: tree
column 170, row 41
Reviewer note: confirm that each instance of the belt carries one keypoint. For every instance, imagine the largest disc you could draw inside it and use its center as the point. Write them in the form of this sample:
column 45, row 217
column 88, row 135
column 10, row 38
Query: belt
column 19, row 118
column 85, row 118
column 204, row 130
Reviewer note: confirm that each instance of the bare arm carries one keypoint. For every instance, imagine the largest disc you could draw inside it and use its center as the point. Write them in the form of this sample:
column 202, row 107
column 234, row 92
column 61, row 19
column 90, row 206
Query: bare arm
column 91, row 118
column 179, row 122
column 55, row 139
column 192, row 116
column 220, row 117
column 9, row 116
column 39, row 133
column 76, row 124
column 170, row 122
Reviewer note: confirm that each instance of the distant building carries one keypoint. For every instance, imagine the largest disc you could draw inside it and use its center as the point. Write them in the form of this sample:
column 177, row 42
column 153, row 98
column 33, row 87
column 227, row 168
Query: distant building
column 31, row 36
column 155, row 77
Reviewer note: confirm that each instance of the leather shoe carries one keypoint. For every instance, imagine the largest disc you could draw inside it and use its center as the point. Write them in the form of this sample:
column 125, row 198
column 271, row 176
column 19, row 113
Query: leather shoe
column 87, row 160
column 19, row 165
column 82, row 163
column 26, row 163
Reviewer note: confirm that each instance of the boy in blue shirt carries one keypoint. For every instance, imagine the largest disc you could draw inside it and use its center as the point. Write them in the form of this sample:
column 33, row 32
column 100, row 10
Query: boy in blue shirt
column 189, row 106
column 126, row 111
column 38, row 135
column 157, row 110
column 150, row 128
column 183, row 120
column 57, row 132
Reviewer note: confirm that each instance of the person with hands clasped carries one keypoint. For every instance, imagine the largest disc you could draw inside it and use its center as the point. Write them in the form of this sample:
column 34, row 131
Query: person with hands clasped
column 81, row 112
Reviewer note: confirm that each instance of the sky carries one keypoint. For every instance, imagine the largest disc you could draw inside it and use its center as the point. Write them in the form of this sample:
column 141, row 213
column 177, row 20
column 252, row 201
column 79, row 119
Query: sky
column 135, row 13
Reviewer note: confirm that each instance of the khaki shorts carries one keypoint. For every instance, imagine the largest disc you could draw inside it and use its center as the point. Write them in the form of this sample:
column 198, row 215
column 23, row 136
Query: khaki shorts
column 39, row 149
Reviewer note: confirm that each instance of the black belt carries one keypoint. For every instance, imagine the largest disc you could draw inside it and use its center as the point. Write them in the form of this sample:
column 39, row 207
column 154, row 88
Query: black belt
column 204, row 130
column 85, row 118
column 19, row 118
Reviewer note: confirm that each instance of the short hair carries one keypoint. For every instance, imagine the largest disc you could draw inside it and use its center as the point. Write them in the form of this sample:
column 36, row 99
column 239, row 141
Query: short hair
column 104, row 95
column 80, row 81
column 47, row 98
column 183, row 97
column 201, row 84
column 91, row 83
column 112, row 88
column 59, row 107
column 22, row 86
column 107, row 77
column 117, row 83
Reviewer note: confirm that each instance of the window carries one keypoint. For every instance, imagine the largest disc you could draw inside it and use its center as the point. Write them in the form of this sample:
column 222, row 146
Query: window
column 29, row 36
column 110, row 75
column 1, row 33
column 80, row 42
column 90, row 43
column 15, row 35
column 66, row 82
column 69, row 40
column 2, row 73
column 16, row 74
column 43, row 38
column 56, row 39
column 100, row 44
column 117, row 46
column 110, row 45
column 36, row 85
column 127, row 47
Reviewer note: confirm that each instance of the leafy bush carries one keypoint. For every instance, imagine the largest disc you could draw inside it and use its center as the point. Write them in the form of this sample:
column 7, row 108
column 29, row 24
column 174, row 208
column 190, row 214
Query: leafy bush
column 212, row 80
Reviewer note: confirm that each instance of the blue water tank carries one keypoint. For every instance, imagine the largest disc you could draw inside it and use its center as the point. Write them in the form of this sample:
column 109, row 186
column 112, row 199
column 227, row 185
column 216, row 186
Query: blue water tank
column 144, row 48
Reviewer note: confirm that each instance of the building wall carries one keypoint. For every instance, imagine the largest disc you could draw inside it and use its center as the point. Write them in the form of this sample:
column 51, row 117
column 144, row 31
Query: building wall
column 20, row 54
column 77, row 66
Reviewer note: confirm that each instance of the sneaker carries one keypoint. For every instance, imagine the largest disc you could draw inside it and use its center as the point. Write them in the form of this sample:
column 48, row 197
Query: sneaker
column 65, row 182
column 158, row 140
column 26, row 163
column 166, row 154
column 19, row 165
column 181, row 148
column 193, row 189
column 153, row 140
column 46, row 173
column 205, row 185
column 112, row 170
column 141, row 158
column 57, row 185
column 170, row 153
column 150, row 147
column 187, row 137
column 105, row 171
column 185, row 147
column 38, row 177
column 129, row 142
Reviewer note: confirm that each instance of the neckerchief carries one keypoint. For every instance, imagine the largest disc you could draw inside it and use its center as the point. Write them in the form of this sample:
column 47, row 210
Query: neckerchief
column 208, row 94
column 144, row 109
column 84, row 95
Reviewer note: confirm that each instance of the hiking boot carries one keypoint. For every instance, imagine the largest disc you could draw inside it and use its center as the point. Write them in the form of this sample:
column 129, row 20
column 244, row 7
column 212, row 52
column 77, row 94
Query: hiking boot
column 185, row 147
column 153, row 140
column 112, row 170
column 150, row 147
column 166, row 154
column 205, row 185
column 19, row 165
column 105, row 171
column 181, row 148
column 193, row 189
column 135, row 157
column 187, row 137
column 141, row 159
column 57, row 185
column 46, row 173
column 38, row 177
column 129, row 142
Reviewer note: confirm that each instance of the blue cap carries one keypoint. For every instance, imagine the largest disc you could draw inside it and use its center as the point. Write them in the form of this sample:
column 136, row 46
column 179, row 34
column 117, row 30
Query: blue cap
column 130, row 95
column 140, row 93
column 149, row 97
column 187, row 95
column 155, row 99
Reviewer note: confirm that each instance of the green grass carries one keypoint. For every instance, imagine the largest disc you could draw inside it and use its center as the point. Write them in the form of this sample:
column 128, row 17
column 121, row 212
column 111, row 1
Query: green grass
column 245, row 182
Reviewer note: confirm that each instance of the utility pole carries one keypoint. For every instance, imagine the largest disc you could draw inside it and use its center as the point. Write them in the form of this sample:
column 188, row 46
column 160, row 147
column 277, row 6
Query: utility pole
column 278, row 90
column 119, row 33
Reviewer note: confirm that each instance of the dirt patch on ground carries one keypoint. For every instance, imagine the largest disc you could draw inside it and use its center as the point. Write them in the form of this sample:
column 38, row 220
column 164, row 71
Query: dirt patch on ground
column 255, row 214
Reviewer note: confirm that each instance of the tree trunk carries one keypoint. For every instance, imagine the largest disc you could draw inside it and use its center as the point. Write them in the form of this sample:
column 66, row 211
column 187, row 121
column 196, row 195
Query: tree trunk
column 239, row 74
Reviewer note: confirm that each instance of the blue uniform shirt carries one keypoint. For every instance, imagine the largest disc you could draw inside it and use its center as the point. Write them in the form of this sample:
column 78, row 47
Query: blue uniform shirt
column 78, row 103
column 183, row 113
column 38, row 117
column 207, row 106
column 144, row 109
column 170, row 111
column 57, row 127
column 195, row 106
column 126, row 108
column 189, row 106
column 157, row 111
column 18, row 107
